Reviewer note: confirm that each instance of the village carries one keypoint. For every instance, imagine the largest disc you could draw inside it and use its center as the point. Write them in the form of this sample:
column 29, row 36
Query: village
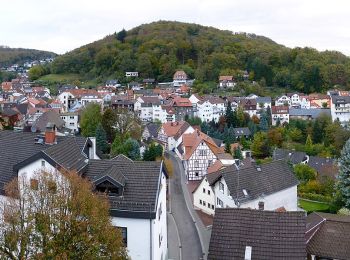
column 213, row 174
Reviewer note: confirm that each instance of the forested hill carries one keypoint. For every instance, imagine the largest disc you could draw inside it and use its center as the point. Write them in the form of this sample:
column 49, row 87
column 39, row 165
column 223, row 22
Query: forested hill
column 10, row 56
column 157, row 49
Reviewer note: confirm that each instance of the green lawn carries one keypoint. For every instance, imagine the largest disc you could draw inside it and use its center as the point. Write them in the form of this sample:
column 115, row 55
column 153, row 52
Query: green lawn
column 54, row 79
column 310, row 206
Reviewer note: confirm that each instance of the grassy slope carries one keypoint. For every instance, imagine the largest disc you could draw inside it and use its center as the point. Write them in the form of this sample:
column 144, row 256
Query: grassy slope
column 310, row 206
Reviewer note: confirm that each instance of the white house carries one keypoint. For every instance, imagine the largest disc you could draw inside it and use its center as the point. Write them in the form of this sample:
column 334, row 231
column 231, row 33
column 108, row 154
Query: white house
column 170, row 134
column 71, row 120
column 340, row 108
column 226, row 82
column 198, row 152
column 179, row 78
column 211, row 108
column 255, row 189
column 280, row 114
column 283, row 101
column 140, row 215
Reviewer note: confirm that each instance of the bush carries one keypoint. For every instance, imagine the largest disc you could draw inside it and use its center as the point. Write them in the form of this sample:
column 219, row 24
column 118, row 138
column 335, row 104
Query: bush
column 316, row 197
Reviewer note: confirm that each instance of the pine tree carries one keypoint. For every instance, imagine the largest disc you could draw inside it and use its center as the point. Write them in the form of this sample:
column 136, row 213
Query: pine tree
column 269, row 116
column 264, row 125
column 230, row 116
column 344, row 174
column 237, row 154
column 308, row 145
column 317, row 132
column 227, row 147
column 101, row 139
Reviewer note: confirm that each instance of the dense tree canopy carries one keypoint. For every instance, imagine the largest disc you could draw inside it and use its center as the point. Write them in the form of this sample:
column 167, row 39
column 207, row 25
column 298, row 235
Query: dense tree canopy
column 158, row 49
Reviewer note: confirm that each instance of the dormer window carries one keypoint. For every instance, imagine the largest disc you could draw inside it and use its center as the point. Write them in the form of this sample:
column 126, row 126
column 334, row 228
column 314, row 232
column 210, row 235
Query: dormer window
column 109, row 188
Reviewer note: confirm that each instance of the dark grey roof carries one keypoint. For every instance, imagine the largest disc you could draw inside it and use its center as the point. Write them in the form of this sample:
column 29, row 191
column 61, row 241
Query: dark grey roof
column 46, row 118
column 218, row 142
column 312, row 112
column 271, row 235
column 16, row 147
column 318, row 163
column 328, row 235
column 153, row 129
column 240, row 131
column 263, row 100
column 294, row 157
column 259, row 180
column 141, row 184
column 23, row 108
column 337, row 100
column 114, row 172
column 67, row 154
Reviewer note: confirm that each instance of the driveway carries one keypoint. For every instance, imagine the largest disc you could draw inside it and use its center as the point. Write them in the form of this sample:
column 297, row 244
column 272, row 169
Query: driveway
column 189, row 246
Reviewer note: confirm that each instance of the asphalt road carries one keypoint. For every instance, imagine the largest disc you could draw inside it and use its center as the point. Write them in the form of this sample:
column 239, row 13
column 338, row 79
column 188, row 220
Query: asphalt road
column 187, row 233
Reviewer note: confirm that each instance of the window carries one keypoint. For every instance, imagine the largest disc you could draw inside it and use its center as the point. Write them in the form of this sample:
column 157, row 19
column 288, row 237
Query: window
column 34, row 184
column 71, row 117
column 196, row 164
column 208, row 205
column 160, row 211
column 219, row 203
column 208, row 192
column 203, row 190
column 200, row 202
column 210, row 162
column 196, row 174
column 42, row 163
column 202, row 152
column 124, row 232
column 212, row 206
column 221, row 187
column 51, row 186
column 204, row 203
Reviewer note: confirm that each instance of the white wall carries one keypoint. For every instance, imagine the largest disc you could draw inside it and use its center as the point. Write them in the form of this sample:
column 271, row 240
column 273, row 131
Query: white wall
column 286, row 198
column 160, row 250
column 200, row 195
column 29, row 170
column 138, row 236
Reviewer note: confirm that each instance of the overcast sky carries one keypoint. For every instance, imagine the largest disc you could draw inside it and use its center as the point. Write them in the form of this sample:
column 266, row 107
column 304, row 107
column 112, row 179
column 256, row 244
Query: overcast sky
column 62, row 25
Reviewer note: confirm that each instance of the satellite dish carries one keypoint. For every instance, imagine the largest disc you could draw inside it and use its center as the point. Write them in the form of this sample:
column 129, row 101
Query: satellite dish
column 33, row 129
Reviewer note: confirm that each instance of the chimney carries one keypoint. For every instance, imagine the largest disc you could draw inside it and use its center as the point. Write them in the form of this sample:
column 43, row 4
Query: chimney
column 50, row 134
column 248, row 253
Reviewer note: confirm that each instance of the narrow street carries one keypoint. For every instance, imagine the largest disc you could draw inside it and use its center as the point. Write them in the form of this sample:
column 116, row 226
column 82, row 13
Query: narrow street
column 189, row 246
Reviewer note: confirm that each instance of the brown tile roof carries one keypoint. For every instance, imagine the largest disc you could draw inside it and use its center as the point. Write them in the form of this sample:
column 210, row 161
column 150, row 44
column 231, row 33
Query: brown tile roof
column 279, row 109
column 191, row 141
column 227, row 78
column 328, row 235
column 180, row 74
column 271, row 235
column 215, row 167
column 175, row 128
column 182, row 102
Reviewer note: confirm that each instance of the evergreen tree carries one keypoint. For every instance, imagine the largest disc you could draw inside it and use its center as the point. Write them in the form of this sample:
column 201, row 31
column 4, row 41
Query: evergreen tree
column 344, row 174
column 121, row 35
column 237, row 154
column 260, row 146
column 227, row 147
column 101, row 139
column 317, row 133
column 308, row 145
column 229, row 115
column 153, row 152
column 269, row 115
column 264, row 125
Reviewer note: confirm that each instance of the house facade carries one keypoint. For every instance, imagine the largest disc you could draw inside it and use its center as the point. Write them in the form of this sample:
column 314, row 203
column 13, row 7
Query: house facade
column 140, row 216
column 280, row 114
column 340, row 108
column 254, row 188
column 170, row 134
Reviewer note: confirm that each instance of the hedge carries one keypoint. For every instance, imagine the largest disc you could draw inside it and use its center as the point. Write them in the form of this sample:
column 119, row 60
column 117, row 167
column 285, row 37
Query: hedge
column 316, row 197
